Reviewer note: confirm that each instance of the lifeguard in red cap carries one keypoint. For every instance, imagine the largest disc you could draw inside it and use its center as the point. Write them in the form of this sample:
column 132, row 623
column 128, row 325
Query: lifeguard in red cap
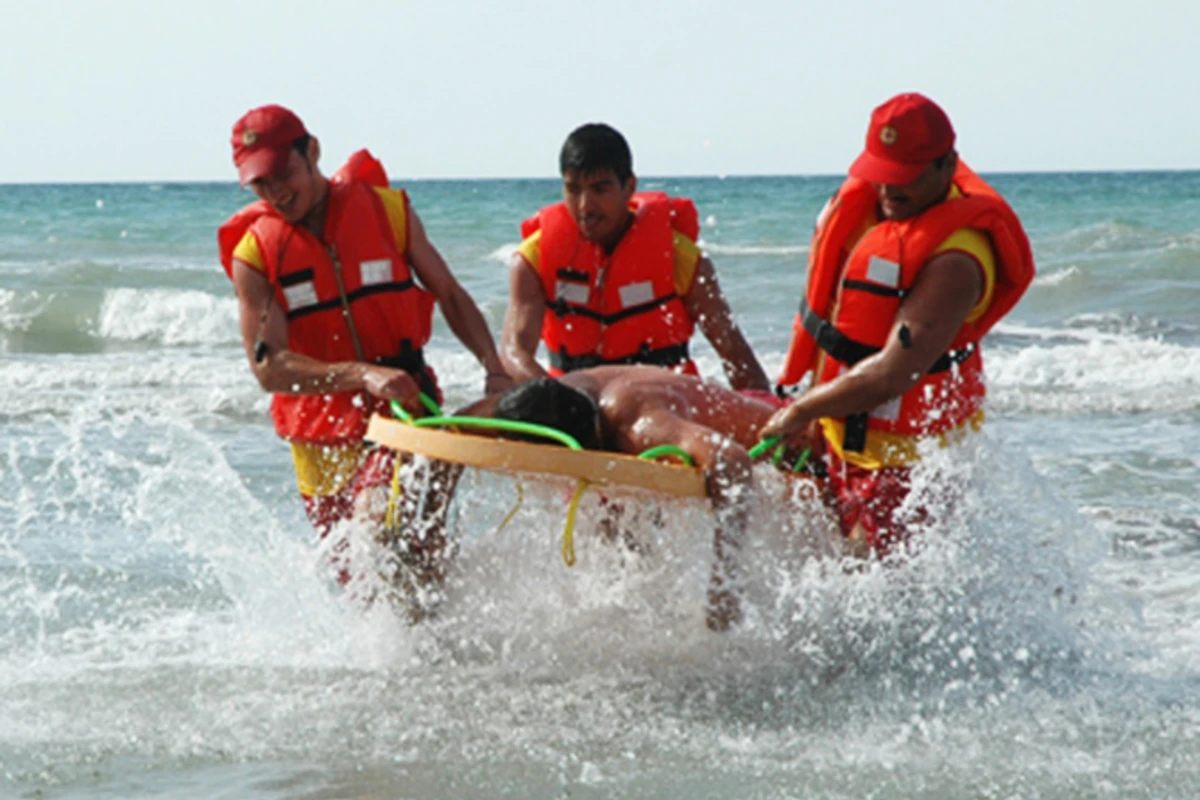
column 336, row 283
column 913, row 260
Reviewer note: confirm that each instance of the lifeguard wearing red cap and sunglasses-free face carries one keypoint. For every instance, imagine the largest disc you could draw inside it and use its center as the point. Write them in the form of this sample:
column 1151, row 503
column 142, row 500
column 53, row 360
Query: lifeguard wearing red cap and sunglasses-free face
column 297, row 188
column 905, row 201
column 908, row 156
column 277, row 158
column 261, row 139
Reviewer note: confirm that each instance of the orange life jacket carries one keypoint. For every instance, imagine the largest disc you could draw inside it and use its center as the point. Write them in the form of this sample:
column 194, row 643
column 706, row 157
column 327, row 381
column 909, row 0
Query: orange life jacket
column 391, row 314
column 618, row 308
column 851, row 301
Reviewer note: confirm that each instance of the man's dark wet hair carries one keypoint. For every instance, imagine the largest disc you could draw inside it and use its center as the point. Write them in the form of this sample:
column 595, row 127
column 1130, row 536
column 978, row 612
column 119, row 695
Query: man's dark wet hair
column 594, row 147
column 545, row 401
column 300, row 144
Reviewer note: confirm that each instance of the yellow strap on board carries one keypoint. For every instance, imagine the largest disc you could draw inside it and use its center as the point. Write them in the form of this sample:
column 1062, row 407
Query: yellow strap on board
column 393, row 496
column 568, row 541
column 517, row 507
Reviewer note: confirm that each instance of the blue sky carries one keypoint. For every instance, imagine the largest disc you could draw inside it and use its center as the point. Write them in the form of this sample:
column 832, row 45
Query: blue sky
column 148, row 90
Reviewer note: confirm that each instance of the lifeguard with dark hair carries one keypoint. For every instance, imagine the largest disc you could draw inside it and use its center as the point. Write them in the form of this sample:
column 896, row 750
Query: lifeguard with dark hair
column 613, row 276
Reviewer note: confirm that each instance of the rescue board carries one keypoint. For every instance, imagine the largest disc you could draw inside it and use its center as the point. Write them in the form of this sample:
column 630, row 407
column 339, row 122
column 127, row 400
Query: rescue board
column 596, row 467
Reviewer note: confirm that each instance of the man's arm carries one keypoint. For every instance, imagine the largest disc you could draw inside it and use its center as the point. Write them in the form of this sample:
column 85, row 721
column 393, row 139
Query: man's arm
column 706, row 304
column 280, row 370
column 934, row 310
column 523, row 321
column 458, row 308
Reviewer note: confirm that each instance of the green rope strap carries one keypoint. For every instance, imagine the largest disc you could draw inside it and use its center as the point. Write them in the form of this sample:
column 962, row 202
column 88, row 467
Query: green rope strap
column 668, row 450
column 440, row 421
column 529, row 428
column 775, row 445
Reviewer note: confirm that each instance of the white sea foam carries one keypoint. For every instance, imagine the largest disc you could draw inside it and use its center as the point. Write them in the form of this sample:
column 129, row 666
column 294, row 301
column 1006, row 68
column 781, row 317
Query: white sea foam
column 503, row 253
column 17, row 312
column 753, row 249
column 169, row 317
column 525, row 652
column 1060, row 277
column 183, row 386
column 1114, row 237
column 1098, row 374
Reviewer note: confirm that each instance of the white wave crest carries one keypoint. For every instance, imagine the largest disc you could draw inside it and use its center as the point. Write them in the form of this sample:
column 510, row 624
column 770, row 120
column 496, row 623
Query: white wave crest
column 132, row 382
column 1059, row 277
column 754, row 249
column 1102, row 374
column 1119, row 237
column 1103, row 328
column 17, row 313
column 503, row 253
column 168, row 316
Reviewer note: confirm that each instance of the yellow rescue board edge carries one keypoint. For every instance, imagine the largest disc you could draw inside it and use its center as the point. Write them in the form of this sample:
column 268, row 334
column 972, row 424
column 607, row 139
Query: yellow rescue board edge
column 599, row 468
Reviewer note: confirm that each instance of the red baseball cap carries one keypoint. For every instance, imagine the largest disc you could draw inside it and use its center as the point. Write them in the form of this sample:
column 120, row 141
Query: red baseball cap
column 262, row 139
column 907, row 133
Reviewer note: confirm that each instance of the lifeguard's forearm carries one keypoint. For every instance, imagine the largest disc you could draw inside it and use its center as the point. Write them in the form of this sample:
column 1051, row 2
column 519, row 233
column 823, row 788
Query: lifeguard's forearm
column 288, row 372
column 467, row 322
column 523, row 366
column 523, row 322
column 868, row 385
column 741, row 365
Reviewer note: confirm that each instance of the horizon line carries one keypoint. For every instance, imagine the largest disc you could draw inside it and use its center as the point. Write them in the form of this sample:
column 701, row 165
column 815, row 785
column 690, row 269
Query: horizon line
column 690, row 176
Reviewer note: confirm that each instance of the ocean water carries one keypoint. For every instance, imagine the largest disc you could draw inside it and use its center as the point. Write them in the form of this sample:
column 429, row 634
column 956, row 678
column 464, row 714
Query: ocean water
column 169, row 629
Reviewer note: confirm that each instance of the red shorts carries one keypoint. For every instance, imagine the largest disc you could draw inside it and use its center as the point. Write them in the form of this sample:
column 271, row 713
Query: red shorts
column 375, row 469
column 869, row 499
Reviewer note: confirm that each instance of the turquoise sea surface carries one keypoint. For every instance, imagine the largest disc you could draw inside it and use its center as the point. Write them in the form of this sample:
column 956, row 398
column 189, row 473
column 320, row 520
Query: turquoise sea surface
column 169, row 627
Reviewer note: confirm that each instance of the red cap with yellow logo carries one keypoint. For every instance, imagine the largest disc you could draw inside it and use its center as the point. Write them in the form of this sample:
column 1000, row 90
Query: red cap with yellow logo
column 907, row 134
column 262, row 139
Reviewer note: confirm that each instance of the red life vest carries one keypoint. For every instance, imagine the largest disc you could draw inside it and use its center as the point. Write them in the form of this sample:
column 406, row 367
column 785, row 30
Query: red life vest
column 618, row 308
column 391, row 314
column 851, row 301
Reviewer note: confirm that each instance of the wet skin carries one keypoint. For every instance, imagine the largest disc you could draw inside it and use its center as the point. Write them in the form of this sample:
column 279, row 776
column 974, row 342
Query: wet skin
column 297, row 191
column 904, row 201
column 599, row 204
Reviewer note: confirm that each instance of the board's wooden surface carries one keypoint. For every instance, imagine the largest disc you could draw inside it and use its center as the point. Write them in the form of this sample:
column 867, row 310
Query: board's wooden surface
column 600, row 468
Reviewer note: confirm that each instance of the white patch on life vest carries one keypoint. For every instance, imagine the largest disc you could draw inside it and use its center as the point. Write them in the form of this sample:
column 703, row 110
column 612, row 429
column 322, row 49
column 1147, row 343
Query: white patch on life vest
column 300, row 295
column 574, row 293
column 880, row 270
column 889, row 411
column 635, row 294
column 376, row 271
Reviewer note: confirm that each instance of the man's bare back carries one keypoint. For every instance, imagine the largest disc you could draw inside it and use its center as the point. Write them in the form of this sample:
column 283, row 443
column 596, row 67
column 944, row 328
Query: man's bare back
column 637, row 402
